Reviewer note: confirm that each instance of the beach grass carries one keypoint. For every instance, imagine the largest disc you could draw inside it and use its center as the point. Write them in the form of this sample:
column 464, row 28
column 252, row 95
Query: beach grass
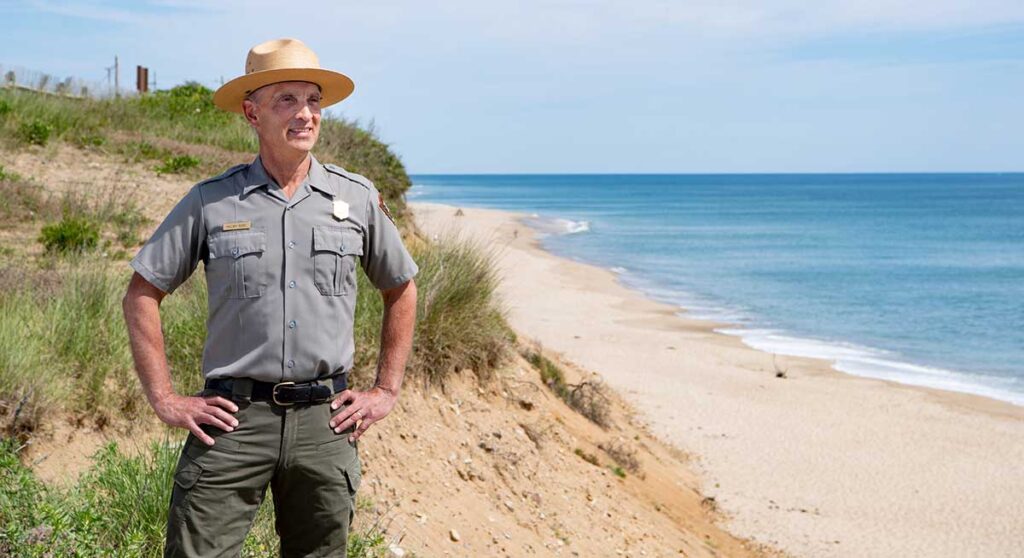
column 460, row 321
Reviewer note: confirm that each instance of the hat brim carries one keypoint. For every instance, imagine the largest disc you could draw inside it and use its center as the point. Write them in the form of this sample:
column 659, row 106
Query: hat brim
column 334, row 86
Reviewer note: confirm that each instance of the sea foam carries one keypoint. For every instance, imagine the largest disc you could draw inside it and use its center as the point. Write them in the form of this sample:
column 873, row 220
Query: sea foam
column 557, row 226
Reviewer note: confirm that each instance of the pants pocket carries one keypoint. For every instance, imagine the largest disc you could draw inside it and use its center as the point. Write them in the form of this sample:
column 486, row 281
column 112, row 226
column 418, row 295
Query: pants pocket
column 185, row 479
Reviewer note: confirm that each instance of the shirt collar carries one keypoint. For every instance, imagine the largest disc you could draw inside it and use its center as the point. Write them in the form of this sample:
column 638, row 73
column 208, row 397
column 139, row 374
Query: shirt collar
column 257, row 177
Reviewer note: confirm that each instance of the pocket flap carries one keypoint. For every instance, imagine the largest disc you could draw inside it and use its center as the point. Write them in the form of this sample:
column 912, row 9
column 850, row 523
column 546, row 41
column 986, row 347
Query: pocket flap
column 188, row 474
column 339, row 240
column 354, row 476
column 236, row 244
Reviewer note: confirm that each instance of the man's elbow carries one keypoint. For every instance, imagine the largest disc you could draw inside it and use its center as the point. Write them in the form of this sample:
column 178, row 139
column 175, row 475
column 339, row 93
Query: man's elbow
column 139, row 289
column 405, row 293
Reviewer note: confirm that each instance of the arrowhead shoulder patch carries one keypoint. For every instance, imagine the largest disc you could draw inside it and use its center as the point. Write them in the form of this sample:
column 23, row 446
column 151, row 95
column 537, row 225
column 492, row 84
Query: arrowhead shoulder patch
column 384, row 207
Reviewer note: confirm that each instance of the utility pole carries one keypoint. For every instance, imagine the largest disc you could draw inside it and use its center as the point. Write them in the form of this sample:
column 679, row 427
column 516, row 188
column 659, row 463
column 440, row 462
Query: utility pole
column 117, row 79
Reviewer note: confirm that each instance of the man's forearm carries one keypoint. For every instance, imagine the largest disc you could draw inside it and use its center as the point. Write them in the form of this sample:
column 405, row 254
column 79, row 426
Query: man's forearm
column 396, row 336
column 142, row 316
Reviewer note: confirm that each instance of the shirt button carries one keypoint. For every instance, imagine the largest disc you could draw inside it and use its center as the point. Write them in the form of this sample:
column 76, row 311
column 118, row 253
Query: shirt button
column 291, row 244
column 234, row 251
column 291, row 284
column 291, row 364
column 291, row 324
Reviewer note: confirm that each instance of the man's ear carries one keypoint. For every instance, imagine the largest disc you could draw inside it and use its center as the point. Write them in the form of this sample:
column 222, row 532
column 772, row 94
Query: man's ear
column 249, row 109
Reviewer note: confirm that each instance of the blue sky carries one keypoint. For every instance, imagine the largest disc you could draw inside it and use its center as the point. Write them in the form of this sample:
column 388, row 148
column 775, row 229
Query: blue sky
column 600, row 86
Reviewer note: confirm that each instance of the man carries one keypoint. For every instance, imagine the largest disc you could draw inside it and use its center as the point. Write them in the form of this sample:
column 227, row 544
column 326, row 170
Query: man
column 279, row 239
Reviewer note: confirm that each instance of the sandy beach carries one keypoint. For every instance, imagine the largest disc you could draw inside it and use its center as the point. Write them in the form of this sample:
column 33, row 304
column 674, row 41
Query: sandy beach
column 817, row 463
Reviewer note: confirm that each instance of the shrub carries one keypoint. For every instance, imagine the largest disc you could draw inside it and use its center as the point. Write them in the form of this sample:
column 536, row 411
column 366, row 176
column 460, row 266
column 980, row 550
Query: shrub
column 89, row 138
column 5, row 108
column 588, row 398
column 588, row 457
column 178, row 164
column 35, row 132
column 70, row 235
column 622, row 454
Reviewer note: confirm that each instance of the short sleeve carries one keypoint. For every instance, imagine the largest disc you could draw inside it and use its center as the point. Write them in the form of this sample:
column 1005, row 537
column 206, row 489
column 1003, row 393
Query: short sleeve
column 385, row 260
column 173, row 252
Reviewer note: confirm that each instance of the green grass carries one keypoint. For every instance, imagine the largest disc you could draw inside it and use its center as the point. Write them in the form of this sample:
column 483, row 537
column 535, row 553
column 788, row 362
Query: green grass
column 67, row 350
column 185, row 115
column 23, row 201
column 178, row 164
column 118, row 508
column 550, row 373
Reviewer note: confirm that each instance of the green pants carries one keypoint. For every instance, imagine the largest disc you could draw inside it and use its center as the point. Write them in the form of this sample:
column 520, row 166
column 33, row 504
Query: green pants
column 313, row 472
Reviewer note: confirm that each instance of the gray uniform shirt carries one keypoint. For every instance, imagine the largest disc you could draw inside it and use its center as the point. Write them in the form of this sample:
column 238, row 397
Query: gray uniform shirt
column 280, row 273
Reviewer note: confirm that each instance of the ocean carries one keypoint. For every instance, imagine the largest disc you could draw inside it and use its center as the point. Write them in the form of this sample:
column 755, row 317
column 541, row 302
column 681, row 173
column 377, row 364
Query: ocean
column 916, row 278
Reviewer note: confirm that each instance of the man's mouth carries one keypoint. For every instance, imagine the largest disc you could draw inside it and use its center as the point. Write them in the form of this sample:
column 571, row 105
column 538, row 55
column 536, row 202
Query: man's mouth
column 300, row 131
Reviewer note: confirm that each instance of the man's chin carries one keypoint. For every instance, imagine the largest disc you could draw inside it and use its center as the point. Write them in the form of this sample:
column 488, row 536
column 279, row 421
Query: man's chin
column 304, row 145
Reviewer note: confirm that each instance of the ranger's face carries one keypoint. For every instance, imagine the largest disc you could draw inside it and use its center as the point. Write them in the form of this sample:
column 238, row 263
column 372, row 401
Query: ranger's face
column 286, row 116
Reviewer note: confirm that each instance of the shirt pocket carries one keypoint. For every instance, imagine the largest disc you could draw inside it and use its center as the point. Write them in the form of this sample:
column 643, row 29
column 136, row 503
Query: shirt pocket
column 237, row 260
column 335, row 250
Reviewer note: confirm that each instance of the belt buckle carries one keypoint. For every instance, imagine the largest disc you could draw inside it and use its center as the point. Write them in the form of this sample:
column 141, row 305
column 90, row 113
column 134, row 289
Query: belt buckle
column 273, row 393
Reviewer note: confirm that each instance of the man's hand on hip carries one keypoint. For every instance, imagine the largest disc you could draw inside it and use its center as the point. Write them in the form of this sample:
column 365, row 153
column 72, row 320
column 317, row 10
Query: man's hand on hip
column 190, row 412
column 364, row 408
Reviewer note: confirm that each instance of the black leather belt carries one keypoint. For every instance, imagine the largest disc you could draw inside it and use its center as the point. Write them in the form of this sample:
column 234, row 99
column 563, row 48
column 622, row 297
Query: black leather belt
column 283, row 393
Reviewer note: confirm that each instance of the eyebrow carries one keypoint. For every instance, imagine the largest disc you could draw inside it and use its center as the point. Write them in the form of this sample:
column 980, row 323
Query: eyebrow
column 316, row 94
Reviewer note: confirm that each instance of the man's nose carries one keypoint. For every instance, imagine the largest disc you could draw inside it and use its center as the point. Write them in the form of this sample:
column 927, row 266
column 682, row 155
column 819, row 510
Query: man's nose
column 305, row 113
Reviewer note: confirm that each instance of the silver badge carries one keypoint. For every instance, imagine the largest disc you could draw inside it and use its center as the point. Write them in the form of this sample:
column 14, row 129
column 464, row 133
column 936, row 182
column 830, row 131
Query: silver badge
column 340, row 210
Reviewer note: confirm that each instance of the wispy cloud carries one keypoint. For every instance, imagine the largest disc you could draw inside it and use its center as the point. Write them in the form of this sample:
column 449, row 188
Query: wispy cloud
column 122, row 12
column 85, row 10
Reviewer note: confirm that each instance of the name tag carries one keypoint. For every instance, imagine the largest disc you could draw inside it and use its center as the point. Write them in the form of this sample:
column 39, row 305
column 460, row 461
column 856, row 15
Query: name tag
column 238, row 226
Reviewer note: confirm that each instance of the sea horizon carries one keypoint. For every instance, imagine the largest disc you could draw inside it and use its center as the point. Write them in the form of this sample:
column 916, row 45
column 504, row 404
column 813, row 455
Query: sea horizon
column 910, row 277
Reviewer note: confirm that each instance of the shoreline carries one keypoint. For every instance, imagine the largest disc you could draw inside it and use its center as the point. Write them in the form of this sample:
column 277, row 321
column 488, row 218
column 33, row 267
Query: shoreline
column 798, row 462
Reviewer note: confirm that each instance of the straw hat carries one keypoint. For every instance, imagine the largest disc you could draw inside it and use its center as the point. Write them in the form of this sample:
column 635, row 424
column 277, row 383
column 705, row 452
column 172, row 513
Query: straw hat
column 282, row 60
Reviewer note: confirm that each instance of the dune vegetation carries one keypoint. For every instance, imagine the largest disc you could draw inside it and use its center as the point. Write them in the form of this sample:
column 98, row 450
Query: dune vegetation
column 64, row 352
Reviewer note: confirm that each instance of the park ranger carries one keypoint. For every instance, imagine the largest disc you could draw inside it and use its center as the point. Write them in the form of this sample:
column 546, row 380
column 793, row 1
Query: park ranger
column 279, row 239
